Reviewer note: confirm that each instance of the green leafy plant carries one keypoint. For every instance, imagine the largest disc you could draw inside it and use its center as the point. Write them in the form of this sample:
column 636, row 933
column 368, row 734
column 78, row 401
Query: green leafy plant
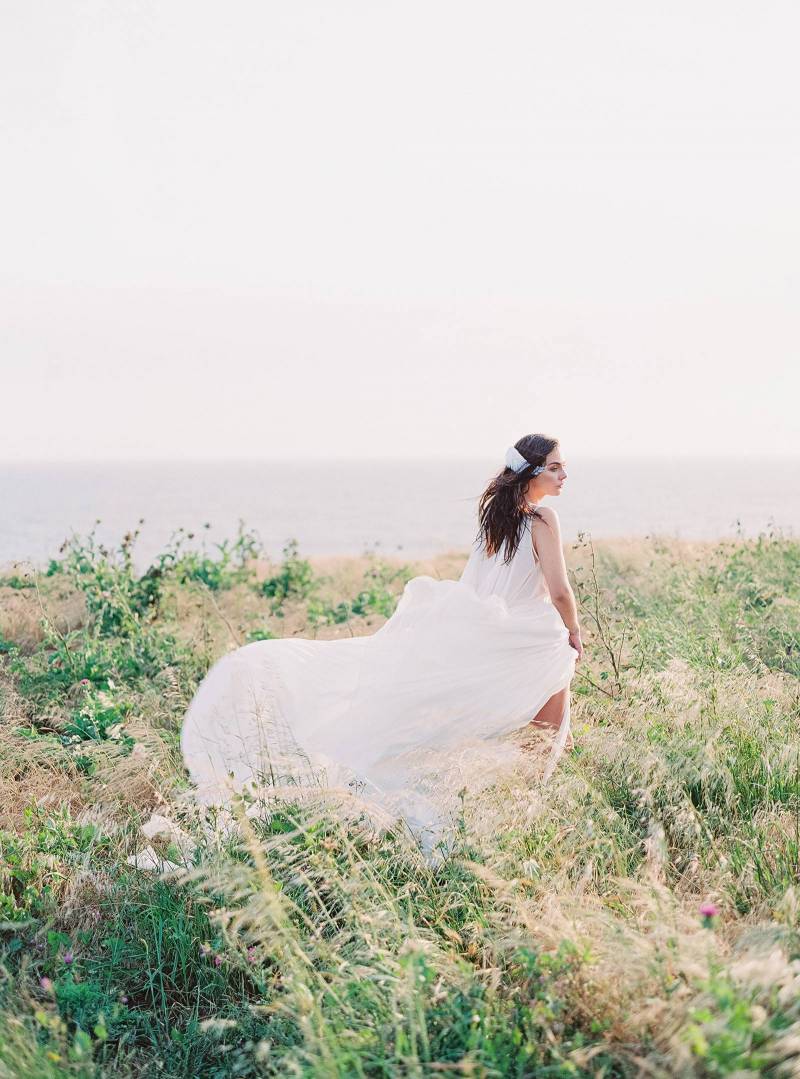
column 229, row 567
column 35, row 864
column 380, row 597
column 17, row 582
column 294, row 580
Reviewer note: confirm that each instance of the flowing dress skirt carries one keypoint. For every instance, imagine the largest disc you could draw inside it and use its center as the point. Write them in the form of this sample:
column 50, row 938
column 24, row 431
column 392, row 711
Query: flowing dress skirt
column 389, row 714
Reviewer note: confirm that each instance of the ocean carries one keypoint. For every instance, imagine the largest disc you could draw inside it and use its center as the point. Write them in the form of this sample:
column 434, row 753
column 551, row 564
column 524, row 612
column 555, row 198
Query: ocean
column 404, row 509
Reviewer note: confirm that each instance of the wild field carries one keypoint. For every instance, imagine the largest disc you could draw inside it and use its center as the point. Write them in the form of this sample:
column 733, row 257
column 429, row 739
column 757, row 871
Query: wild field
column 638, row 915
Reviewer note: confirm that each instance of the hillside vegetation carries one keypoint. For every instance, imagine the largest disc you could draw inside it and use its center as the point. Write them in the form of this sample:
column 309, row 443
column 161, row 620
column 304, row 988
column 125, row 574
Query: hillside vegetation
column 638, row 915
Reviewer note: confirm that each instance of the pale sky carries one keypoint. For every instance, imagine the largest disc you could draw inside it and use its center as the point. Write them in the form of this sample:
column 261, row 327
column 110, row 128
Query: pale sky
column 400, row 229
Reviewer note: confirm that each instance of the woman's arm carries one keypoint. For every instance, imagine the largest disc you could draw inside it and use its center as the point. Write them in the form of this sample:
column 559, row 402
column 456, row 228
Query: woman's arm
column 546, row 538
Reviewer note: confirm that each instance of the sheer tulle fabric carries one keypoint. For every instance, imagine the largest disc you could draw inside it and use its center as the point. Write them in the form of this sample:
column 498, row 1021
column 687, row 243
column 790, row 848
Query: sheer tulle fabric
column 404, row 717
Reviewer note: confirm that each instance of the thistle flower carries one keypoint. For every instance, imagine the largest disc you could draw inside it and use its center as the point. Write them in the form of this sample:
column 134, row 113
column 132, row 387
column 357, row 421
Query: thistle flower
column 68, row 957
column 709, row 911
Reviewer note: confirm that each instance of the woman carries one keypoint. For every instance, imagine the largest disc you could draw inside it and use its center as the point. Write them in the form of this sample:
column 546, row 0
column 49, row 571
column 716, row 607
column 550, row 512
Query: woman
column 458, row 664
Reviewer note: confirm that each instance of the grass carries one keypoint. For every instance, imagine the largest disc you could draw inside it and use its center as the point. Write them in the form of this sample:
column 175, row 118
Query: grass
column 557, row 932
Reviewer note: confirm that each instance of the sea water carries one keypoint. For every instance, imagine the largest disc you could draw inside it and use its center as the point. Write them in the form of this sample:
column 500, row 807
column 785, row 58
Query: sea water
column 407, row 509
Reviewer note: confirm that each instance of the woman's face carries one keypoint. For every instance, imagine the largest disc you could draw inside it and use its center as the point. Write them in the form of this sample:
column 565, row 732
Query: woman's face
column 552, row 479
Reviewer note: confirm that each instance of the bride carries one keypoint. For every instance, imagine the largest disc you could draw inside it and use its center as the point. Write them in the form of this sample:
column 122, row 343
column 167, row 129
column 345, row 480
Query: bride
column 395, row 715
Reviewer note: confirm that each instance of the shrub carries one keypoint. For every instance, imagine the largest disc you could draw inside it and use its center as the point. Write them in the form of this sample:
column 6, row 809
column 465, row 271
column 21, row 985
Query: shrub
column 229, row 568
column 294, row 580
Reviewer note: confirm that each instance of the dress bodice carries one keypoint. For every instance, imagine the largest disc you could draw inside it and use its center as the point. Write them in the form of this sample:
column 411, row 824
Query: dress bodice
column 520, row 583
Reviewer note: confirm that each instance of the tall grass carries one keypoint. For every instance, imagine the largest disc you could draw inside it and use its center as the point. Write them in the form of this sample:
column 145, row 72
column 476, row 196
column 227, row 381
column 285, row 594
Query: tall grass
column 638, row 915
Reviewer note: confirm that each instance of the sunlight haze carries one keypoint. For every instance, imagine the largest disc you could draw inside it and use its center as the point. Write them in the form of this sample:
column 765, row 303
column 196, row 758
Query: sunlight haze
column 398, row 230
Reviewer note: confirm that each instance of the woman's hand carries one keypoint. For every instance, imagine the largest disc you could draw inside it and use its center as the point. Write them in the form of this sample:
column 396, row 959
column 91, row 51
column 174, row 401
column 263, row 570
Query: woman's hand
column 575, row 641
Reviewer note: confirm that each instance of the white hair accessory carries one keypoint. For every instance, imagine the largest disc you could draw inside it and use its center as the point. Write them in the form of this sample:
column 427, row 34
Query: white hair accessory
column 516, row 462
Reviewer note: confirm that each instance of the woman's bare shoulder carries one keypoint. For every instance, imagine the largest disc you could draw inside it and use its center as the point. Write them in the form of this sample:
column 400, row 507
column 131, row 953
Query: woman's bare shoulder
column 546, row 519
column 546, row 514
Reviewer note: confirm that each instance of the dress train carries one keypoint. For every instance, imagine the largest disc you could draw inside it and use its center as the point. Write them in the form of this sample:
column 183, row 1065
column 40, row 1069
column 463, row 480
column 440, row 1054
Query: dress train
column 404, row 717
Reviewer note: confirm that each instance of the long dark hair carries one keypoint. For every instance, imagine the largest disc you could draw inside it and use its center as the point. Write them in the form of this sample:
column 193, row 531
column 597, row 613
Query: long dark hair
column 501, row 508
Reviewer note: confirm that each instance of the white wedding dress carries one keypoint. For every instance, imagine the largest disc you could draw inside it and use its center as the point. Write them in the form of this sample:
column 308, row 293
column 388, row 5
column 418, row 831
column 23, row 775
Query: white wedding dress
column 403, row 718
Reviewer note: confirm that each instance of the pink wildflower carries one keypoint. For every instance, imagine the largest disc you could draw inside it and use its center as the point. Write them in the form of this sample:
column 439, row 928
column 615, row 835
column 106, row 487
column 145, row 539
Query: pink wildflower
column 709, row 910
column 68, row 957
column 46, row 984
column 217, row 960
